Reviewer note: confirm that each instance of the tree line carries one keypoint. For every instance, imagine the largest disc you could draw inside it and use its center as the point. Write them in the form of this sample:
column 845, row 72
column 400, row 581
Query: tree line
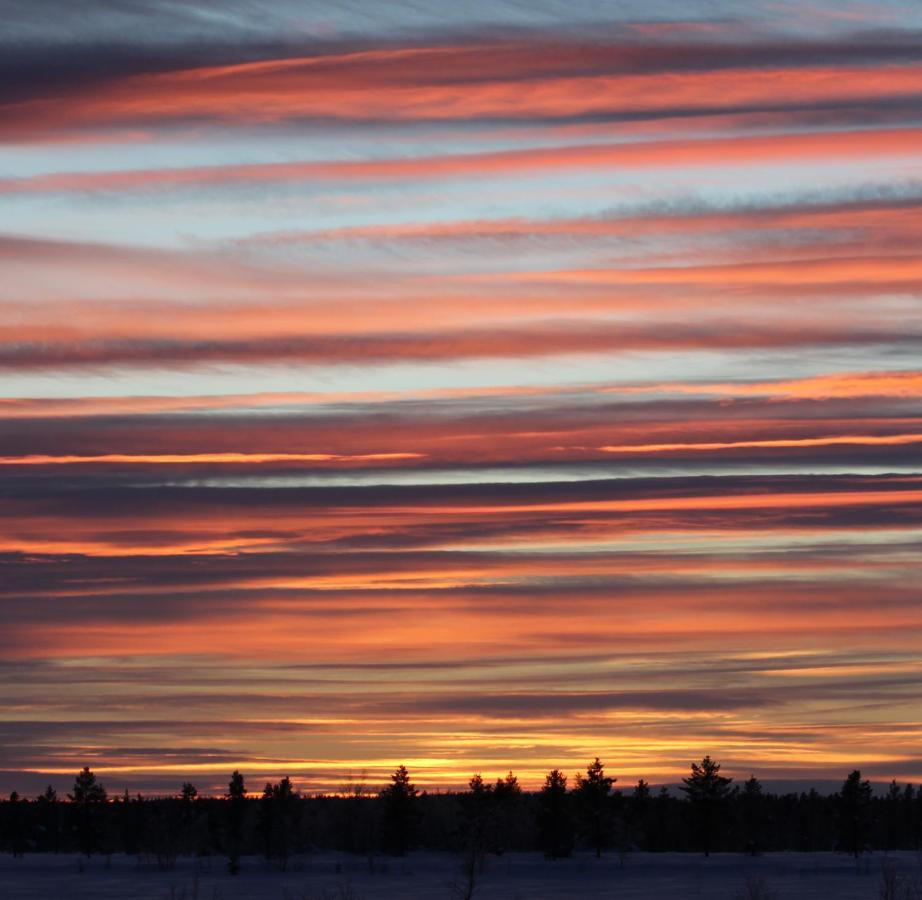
column 709, row 813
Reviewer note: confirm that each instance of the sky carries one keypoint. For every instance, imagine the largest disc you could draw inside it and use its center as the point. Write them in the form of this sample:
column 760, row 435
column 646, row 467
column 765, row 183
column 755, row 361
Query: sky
column 475, row 386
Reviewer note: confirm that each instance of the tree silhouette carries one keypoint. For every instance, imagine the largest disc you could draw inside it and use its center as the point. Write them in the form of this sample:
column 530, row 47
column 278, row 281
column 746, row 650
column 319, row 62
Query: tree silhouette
column 706, row 790
column 662, row 819
column 264, row 823
column 594, row 803
column 477, row 810
column 164, row 829
column 236, row 811
column 810, row 820
column 751, row 800
column 507, row 796
column 88, row 796
column 893, row 808
column 276, row 820
column 49, row 820
column 131, row 825
column 87, row 789
column 639, row 813
column 855, row 802
column 16, row 827
column 236, row 789
column 401, row 813
column 188, row 794
column 491, row 816
column 642, row 791
column 555, row 816
column 359, row 822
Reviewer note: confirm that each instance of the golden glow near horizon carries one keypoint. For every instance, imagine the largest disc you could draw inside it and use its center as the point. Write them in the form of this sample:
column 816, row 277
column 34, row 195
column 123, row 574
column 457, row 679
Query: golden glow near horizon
column 491, row 403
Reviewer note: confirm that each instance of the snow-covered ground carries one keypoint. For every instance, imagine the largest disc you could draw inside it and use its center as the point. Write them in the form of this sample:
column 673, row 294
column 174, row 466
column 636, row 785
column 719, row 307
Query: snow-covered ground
column 330, row 876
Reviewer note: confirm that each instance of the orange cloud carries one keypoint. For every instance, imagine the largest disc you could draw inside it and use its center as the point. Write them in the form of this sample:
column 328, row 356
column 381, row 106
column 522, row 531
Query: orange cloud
column 436, row 84
column 829, row 441
column 819, row 387
column 159, row 459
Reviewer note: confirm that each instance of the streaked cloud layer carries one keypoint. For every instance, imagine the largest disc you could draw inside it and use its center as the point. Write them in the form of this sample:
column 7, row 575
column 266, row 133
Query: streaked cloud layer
column 472, row 391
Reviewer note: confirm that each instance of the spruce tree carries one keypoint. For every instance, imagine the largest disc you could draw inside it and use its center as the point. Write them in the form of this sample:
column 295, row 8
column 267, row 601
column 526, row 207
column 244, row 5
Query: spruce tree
column 555, row 816
column 400, row 814
column 595, row 806
column 16, row 826
column 507, row 797
column 753, row 824
column 855, row 804
column 236, row 811
column 88, row 796
column 49, row 820
column 892, row 804
column 639, row 813
column 706, row 790
column 276, row 820
column 477, row 811
column 131, row 822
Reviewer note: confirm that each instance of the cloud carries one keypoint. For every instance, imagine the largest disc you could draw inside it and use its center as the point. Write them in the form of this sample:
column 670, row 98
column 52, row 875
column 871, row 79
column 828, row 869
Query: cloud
column 271, row 78
column 479, row 387
column 724, row 151
column 561, row 338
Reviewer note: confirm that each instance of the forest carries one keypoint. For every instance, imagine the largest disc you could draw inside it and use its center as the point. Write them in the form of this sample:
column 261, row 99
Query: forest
column 706, row 813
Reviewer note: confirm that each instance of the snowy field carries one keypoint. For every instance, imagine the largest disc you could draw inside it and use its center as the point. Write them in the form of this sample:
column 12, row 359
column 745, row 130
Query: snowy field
column 328, row 876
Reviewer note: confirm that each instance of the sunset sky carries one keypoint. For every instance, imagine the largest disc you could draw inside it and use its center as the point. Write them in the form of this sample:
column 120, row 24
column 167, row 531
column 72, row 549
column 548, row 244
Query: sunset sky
column 473, row 386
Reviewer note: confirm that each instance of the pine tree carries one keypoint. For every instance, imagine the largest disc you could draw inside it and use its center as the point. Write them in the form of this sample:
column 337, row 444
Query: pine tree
column 276, row 815
column 87, row 797
column 555, row 816
column 855, row 802
column 477, row 810
column 236, row 796
column 507, row 796
column 49, row 822
column 16, row 828
column 508, row 786
column 264, row 820
column 87, row 789
column 662, row 818
column 706, row 790
column 131, row 822
column 401, row 814
column 753, row 824
column 639, row 813
column 596, row 809
column 236, row 789
column 892, row 811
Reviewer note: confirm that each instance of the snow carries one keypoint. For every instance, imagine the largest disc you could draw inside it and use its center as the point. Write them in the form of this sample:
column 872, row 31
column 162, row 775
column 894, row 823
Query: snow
column 334, row 876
